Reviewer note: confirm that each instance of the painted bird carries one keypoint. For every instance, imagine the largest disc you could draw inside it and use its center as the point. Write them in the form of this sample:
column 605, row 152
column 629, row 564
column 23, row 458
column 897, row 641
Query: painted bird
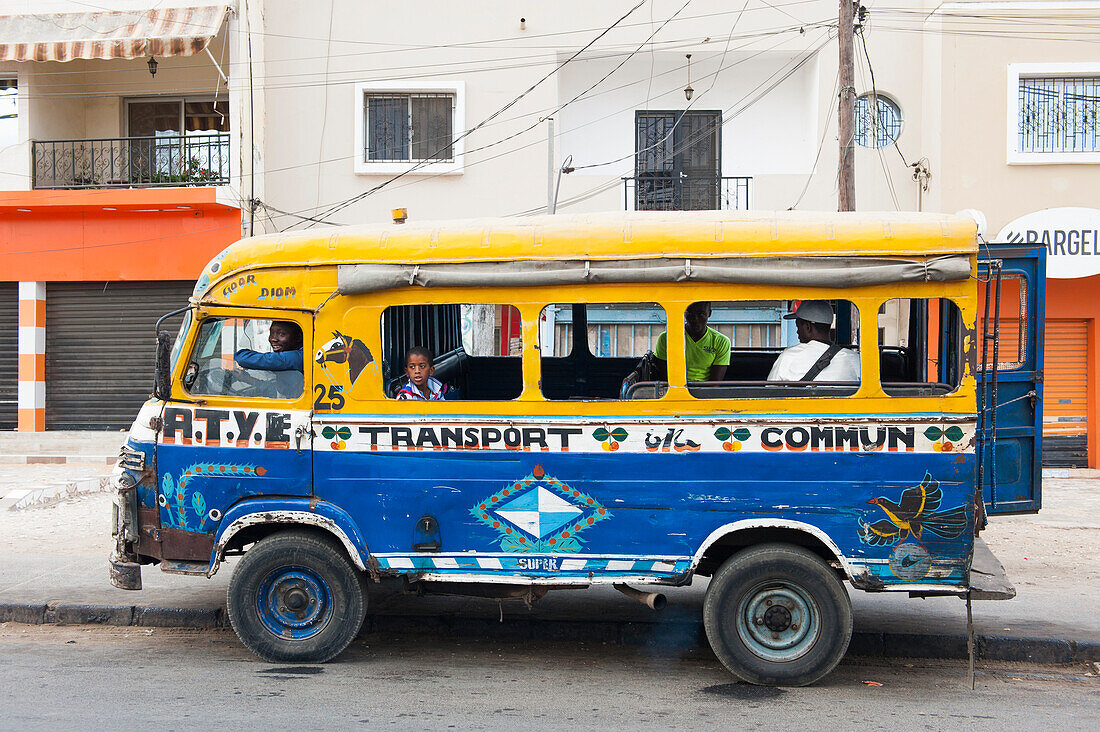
column 916, row 512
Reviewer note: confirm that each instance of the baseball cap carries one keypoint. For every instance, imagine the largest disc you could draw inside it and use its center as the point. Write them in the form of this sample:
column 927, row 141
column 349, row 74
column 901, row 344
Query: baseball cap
column 815, row 311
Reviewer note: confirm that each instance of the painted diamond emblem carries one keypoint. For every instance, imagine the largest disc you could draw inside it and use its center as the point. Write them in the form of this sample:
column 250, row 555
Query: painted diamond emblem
column 538, row 512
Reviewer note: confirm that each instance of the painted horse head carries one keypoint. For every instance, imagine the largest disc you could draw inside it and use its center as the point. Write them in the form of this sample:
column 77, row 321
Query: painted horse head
column 345, row 349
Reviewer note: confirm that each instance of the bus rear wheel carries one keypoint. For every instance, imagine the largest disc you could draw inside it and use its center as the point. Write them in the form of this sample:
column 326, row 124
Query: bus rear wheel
column 777, row 615
column 295, row 597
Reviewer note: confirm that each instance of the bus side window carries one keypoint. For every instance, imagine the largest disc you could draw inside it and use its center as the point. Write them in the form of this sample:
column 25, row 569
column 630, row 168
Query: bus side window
column 920, row 346
column 247, row 357
column 771, row 354
column 601, row 350
column 472, row 350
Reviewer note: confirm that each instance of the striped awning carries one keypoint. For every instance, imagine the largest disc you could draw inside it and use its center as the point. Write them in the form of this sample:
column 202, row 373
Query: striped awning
column 167, row 29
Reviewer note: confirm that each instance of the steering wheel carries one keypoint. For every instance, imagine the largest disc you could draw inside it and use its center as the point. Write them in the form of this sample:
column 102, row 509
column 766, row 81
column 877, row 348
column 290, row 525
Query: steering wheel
column 217, row 380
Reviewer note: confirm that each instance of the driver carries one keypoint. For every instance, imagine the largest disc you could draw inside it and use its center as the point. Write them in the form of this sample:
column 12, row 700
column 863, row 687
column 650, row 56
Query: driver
column 285, row 338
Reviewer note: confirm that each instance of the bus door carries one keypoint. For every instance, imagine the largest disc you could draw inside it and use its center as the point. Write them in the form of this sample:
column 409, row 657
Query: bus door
column 234, row 432
column 1010, row 435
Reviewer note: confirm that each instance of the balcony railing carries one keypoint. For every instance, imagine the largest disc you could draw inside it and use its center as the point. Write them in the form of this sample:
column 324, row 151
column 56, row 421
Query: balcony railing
column 127, row 162
column 663, row 192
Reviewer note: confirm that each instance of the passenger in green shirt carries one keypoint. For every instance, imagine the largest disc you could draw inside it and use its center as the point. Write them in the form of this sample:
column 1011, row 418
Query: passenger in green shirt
column 707, row 350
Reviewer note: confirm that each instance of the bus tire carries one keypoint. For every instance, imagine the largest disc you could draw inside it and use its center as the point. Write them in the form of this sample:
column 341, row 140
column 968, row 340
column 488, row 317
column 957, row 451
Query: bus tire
column 777, row 615
column 295, row 597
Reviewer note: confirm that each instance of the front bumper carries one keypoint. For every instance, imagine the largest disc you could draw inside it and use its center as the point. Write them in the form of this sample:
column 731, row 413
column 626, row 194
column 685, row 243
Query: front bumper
column 125, row 570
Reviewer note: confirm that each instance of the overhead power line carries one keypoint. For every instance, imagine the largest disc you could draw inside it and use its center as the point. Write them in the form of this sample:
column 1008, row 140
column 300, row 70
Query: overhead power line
column 730, row 113
column 490, row 158
column 488, row 119
column 390, row 47
column 405, row 72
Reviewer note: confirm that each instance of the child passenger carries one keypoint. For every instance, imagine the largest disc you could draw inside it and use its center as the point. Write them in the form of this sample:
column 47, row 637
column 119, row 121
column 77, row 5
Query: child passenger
column 421, row 385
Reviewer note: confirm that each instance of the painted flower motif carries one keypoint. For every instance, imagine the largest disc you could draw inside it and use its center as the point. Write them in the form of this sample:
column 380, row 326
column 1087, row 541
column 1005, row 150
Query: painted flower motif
column 943, row 440
column 199, row 504
column 731, row 439
column 179, row 499
column 338, row 435
column 610, row 439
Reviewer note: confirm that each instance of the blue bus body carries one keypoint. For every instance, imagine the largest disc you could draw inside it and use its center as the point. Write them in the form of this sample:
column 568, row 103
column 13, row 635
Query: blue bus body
column 890, row 502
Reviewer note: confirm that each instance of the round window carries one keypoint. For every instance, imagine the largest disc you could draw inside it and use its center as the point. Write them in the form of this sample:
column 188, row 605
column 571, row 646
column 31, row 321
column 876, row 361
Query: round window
column 878, row 121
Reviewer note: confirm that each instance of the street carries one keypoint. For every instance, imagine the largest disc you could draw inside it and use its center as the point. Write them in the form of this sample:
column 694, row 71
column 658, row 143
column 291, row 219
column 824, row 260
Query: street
column 75, row 677
column 531, row 366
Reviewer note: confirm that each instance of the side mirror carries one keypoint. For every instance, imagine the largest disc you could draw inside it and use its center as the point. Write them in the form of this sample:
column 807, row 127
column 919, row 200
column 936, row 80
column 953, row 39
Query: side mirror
column 162, row 384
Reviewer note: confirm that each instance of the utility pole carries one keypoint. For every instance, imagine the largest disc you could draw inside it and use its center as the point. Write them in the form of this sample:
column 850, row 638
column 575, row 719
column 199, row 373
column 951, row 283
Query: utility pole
column 846, row 111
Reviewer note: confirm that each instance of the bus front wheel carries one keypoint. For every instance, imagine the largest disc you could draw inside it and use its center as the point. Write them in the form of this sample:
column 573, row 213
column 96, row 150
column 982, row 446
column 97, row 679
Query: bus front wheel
column 777, row 615
column 295, row 597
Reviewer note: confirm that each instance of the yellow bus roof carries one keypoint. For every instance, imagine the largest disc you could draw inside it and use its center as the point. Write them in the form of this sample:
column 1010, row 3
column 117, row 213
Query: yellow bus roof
column 606, row 236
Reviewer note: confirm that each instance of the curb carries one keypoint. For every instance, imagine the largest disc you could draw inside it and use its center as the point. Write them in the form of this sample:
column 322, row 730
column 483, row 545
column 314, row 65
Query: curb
column 673, row 634
column 58, row 492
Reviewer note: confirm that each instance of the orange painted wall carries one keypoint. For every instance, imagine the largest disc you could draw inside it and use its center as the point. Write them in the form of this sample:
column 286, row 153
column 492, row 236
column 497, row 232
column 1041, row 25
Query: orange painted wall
column 1080, row 298
column 108, row 235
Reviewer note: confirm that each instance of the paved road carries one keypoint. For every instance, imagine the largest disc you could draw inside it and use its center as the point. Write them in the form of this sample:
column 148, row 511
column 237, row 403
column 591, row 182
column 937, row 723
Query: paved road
column 58, row 553
column 170, row 679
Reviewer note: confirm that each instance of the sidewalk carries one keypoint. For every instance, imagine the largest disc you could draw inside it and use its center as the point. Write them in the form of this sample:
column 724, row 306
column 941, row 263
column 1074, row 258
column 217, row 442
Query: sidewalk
column 60, row 447
column 54, row 570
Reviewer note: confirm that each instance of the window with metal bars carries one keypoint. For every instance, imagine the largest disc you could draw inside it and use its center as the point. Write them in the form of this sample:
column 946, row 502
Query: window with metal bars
column 677, row 160
column 878, row 121
column 1059, row 114
column 409, row 127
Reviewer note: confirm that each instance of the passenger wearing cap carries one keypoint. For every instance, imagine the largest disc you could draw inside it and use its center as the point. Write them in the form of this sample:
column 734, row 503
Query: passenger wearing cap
column 816, row 357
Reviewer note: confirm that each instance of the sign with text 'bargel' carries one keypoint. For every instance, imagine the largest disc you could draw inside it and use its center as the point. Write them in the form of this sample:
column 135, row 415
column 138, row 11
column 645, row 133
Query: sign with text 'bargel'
column 1071, row 237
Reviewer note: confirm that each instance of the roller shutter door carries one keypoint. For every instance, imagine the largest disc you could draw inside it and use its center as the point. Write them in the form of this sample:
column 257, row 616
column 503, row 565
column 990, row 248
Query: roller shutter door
column 9, row 358
column 100, row 347
column 1065, row 394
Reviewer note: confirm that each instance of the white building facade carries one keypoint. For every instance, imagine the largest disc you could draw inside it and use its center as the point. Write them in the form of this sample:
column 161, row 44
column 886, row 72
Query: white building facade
column 593, row 84
column 339, row 111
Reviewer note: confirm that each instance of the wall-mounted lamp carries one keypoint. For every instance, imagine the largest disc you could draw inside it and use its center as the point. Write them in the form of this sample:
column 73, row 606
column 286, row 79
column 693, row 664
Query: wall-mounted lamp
column 523, row 23
column 688, row 91
column 400, row 215
column 152, row 66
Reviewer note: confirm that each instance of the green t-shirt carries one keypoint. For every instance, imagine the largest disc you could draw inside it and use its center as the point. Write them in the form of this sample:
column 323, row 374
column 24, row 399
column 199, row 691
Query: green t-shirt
column 713, row 349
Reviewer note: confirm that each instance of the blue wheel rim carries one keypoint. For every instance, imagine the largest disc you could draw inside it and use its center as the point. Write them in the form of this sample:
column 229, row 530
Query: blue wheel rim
column 294, row 602
column 778, row 621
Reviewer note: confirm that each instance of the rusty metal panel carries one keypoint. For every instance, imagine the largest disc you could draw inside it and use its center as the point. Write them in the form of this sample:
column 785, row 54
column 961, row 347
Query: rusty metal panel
column 186, row 545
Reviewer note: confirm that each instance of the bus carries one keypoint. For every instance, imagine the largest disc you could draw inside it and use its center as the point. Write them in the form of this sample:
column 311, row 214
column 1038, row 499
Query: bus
column 561, row 432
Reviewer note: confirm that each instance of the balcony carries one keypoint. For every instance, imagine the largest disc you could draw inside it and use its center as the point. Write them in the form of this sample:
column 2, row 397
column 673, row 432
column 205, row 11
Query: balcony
column 131, row 162
column 658, row 192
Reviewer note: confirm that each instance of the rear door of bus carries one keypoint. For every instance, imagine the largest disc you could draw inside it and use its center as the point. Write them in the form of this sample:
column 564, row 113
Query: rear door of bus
column 1011, row 434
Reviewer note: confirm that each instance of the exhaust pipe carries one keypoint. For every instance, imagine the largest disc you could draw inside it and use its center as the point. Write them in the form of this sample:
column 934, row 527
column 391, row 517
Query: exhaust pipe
column 652, row 600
